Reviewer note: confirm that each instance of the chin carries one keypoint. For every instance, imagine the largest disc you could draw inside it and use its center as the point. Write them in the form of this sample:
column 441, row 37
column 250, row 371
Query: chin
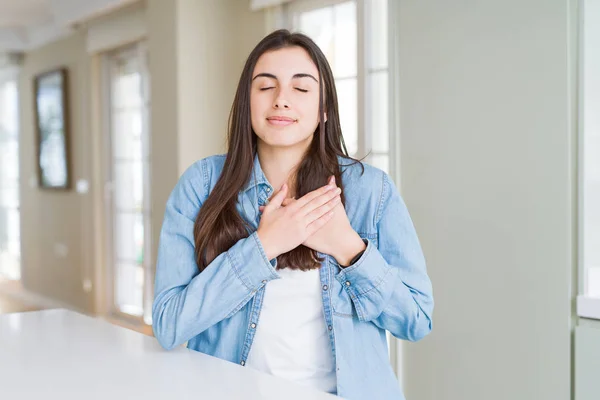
column 287, row 142
column 284, row 144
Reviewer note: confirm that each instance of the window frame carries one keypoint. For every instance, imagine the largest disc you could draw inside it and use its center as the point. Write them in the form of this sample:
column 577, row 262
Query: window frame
column 300, row 6
column 10, row 73
column 365, row 89
column 140, row 49
column 587, row 306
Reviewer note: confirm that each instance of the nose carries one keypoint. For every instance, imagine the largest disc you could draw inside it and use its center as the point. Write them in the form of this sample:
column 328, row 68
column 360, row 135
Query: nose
column 280, row 101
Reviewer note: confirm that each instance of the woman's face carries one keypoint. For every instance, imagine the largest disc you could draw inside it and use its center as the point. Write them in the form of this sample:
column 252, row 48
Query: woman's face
column 284, row 98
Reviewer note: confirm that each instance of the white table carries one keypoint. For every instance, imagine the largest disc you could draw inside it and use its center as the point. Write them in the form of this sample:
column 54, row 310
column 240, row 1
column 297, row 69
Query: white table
column 60, row 354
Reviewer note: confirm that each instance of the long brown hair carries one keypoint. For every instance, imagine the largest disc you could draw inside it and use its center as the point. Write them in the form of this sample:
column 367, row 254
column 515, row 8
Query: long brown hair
column 219, row 225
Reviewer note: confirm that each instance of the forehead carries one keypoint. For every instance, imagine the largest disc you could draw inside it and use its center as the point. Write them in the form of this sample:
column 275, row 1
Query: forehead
column 286, row 62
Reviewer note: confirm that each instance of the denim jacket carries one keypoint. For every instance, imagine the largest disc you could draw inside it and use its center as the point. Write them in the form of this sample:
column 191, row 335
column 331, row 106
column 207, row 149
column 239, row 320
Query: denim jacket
column 216, row 312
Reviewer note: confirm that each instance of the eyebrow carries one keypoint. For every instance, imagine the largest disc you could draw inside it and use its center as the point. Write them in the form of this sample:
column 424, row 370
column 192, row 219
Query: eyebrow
column 296, row 76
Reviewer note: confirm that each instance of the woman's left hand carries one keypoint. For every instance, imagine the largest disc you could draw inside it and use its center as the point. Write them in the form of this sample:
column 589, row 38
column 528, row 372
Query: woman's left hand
column 336, row 238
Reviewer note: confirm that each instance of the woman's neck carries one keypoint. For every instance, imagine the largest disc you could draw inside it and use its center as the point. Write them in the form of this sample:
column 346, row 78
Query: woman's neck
column 279, row 165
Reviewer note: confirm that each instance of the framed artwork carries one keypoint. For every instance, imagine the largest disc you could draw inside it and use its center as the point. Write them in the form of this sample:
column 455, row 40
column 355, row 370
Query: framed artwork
column 52, row 129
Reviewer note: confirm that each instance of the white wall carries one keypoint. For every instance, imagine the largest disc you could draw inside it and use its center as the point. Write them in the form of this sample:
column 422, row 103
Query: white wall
column 57, row 236
column 587, row 362
column 486, row 144
column 214, row 39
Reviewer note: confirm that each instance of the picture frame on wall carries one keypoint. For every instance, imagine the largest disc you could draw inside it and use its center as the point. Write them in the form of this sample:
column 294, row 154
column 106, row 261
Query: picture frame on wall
column 52, row 129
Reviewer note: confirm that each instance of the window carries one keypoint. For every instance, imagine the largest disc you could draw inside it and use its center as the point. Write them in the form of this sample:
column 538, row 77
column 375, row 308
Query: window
column 10, row 252
column 353, row 36
column 128, row 183
column 589, row 160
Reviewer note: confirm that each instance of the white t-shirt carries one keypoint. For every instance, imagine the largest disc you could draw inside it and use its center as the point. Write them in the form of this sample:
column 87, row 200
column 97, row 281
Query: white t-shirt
column 291, row 339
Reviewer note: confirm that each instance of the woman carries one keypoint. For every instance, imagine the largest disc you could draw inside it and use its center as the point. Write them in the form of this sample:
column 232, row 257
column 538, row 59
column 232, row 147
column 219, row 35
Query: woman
column 285, row 255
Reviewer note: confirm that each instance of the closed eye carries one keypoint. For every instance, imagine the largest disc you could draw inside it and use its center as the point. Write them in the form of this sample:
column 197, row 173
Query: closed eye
column 266, row 88
column 301, row 90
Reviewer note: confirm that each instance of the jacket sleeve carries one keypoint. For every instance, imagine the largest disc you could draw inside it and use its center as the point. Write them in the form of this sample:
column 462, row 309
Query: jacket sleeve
column 187, row 302
column 389, row 285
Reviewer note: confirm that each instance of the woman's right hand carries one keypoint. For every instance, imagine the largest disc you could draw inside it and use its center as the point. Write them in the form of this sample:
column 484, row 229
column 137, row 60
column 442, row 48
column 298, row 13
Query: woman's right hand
column 282, row 229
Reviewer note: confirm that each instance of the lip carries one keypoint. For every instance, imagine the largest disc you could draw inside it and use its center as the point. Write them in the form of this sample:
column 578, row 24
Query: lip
column 280, row 120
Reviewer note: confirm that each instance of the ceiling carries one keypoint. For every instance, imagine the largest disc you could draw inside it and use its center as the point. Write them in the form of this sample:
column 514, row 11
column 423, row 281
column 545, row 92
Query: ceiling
column 27, row 24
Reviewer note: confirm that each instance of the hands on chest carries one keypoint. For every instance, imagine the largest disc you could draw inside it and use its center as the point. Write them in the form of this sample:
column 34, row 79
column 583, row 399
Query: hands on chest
column 317, row 220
